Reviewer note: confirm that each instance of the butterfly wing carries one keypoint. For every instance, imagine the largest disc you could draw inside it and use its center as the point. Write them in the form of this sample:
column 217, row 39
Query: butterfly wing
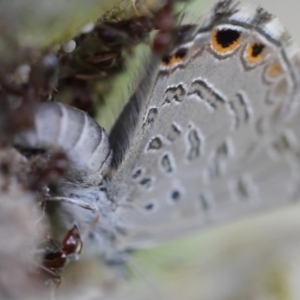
column 212, row 133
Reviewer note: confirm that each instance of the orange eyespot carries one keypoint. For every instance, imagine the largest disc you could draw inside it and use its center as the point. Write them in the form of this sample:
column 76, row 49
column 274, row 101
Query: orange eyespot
column 255, row 52
column 175, row 58
column 170, row 60
column 225, row 39
column 275, row 69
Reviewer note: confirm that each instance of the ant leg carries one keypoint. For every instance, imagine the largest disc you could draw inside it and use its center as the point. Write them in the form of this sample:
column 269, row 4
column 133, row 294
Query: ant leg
column 77, row 202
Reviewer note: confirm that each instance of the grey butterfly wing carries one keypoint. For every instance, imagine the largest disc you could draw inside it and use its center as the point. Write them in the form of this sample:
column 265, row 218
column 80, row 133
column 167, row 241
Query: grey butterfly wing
column 212, row 132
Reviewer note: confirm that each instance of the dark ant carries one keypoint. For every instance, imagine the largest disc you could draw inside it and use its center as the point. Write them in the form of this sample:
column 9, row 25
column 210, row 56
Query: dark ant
column 101, row 54
column 57, row 255
column 45, row 171
column 165, row 21
column 22, row 87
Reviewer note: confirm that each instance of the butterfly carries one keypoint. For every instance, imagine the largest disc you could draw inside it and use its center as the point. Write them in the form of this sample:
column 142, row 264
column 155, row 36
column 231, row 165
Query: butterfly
column 210, row 134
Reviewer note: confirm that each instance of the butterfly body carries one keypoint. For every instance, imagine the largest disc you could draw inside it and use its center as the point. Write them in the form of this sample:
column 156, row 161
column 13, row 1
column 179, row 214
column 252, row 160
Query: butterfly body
column 210, row 134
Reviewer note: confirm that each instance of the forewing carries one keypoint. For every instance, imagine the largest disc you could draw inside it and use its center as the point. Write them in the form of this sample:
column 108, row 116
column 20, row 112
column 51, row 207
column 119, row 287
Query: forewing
column 212, row 133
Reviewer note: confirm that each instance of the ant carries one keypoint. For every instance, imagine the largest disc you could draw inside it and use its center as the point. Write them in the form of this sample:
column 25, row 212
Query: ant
column 112, row 41
column 55, row 258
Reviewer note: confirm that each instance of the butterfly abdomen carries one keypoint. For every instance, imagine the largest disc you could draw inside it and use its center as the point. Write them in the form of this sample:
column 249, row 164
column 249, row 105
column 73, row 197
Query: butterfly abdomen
column 61, row 127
